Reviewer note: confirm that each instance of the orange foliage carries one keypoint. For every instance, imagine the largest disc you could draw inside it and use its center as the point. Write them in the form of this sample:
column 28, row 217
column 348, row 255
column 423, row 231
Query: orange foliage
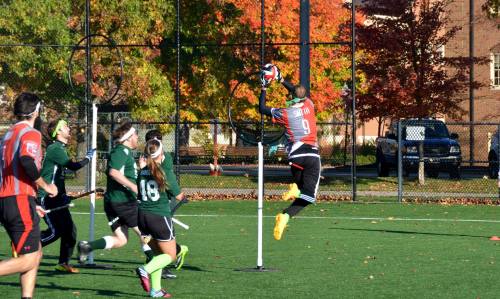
column 282, row 21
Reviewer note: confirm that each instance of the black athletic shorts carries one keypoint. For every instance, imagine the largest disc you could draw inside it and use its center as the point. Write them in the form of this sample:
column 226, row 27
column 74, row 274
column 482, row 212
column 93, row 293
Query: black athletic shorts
column 121, row 213
column 306, row 171
column 158, row 227
column 18, row 216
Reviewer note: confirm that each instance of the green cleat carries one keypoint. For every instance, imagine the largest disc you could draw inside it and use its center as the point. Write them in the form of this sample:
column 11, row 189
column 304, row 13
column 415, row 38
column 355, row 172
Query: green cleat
column 180, row 257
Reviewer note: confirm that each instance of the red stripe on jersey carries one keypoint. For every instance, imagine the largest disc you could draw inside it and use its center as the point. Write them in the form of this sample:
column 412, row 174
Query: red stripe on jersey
column 13, row 174
column 289, row 131
column 25, row 212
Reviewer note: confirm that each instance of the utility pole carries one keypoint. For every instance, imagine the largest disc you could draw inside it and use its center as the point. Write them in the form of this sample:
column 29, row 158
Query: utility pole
column 305, row 64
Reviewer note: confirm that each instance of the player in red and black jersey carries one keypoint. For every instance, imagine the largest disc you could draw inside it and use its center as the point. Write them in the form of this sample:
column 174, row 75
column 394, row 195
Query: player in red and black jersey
column 20, row 162
column 299, row 120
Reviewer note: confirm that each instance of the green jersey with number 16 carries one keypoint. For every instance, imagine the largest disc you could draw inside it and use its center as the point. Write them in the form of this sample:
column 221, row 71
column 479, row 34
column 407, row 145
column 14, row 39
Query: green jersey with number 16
column 151, row 199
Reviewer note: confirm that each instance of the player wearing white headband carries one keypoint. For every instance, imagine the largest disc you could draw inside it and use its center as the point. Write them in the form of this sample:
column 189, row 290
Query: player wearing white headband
column 155, row 217
column 175, row 194
column 120, row 199
column 20, row 163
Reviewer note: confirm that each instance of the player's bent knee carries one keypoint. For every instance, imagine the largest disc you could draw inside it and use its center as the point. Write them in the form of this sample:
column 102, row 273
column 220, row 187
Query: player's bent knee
column 29, row 260
column 120, row 242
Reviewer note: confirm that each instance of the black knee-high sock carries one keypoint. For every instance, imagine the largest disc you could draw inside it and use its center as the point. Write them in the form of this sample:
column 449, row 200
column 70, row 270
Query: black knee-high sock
column 177, row 248
column 297, row 205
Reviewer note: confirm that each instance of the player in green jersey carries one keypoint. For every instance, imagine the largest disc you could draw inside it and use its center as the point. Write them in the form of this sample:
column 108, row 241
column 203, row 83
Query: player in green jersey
column 175, row 190
column 59, row 223
column 155, row 217
column 120, row 199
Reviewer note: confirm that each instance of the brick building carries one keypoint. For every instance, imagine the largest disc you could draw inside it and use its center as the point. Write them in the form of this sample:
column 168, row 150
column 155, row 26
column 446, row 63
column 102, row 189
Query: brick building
column 486, row 43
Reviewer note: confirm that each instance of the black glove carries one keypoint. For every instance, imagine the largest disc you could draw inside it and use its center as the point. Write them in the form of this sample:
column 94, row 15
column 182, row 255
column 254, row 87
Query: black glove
column 66, row 199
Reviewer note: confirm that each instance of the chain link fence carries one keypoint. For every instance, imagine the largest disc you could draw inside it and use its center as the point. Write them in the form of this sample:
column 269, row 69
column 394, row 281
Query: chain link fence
column 416, row 160
column 209, row 156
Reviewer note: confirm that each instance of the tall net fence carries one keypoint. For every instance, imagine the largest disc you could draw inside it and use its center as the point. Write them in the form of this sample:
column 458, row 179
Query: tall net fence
column 140, row 63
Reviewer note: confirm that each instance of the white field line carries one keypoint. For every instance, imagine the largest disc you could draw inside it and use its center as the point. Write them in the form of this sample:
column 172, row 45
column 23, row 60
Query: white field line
column 333, row 218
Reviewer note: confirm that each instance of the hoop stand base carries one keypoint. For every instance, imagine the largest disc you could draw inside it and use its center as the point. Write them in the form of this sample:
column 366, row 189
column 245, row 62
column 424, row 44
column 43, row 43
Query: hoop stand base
column 257, row 269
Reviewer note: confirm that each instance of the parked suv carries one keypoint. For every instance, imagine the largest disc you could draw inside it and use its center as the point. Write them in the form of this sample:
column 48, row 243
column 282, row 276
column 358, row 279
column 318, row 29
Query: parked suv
column 493, row 156
column 441, row 151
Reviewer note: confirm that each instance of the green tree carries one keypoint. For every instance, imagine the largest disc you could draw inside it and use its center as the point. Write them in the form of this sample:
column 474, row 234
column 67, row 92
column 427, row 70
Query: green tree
column 142, row 25
column 39, row 69
column 44, row 69
column 207, row 70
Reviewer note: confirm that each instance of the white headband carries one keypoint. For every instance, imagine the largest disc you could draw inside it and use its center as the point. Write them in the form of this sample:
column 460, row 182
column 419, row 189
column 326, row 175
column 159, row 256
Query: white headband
column 127, row 135
column 37, row 108
column 158, row 152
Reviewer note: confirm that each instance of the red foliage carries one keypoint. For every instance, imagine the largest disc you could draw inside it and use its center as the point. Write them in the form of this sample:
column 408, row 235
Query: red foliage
column 407, row 75
column 282, row 21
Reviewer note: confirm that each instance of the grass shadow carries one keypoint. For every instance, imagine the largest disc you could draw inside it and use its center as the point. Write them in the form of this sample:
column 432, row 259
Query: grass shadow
column 407, row 232
column 53, row 286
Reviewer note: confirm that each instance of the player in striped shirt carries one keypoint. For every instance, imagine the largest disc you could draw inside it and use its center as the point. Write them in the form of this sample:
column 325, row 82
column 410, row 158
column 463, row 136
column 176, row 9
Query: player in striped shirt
column 20, row 163
column 299, row 120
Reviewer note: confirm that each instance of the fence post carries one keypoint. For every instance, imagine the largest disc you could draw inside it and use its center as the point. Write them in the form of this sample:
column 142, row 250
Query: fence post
column 400, row 164
column 498, row 159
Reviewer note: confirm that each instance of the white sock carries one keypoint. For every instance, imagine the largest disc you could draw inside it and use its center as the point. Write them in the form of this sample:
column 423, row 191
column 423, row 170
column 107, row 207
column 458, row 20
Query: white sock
column 109, row 242
column 145, row 247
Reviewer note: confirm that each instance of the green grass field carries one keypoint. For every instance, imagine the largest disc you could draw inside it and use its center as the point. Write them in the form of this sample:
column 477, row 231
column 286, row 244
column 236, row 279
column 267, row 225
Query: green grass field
column 332, row 251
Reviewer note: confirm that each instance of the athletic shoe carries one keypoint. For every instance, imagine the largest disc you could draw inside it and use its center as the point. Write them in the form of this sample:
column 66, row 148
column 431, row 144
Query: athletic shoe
column 165, row 273
column 83, row 251
column 144, row 278
column 159, row 294
column 293, row 192
column 279, row 227
column 66, row 268
column 495, row 238
column 180, row 257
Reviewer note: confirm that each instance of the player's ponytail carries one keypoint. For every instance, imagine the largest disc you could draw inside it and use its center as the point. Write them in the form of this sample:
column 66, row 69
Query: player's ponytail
column 152, row 150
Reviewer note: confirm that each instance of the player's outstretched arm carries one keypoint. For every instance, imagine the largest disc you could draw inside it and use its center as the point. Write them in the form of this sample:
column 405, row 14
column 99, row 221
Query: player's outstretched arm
column 289, row 86
column 72, row 165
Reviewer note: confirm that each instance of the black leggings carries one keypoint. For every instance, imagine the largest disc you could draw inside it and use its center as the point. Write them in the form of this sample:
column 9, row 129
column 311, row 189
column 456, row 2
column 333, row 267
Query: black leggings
column 60, row 225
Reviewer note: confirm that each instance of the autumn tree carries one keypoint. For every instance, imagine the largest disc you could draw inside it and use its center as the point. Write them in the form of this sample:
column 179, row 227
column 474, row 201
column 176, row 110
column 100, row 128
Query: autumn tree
column 330, row 67
column 407, row 74
column 36, row 68
column 208, row 64
column 145, row 86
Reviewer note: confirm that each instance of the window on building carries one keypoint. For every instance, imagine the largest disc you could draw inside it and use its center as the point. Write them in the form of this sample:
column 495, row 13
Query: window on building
column 495, row 70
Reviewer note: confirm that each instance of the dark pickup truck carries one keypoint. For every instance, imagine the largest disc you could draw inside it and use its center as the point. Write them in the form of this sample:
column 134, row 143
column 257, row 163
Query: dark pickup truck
column 441, row 151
